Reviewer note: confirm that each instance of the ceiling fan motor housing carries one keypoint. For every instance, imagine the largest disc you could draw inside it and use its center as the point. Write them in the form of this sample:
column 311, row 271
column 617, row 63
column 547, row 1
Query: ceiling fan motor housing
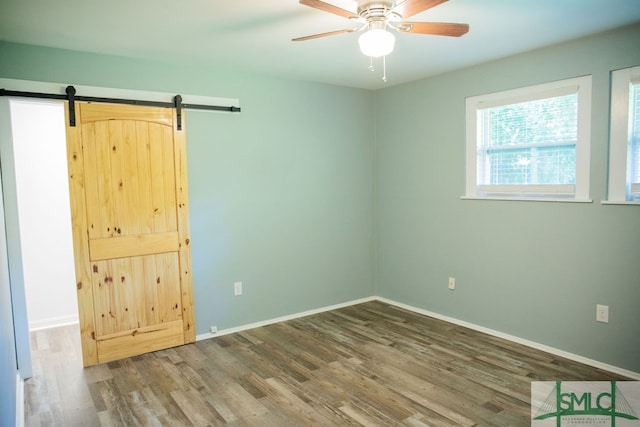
column 377, row 10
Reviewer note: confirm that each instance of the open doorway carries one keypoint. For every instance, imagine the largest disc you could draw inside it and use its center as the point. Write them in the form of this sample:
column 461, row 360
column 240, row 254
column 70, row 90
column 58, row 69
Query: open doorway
column 39, row 146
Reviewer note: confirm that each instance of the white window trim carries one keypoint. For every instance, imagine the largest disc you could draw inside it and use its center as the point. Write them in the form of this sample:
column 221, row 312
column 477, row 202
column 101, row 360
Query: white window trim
column 619, row 134
column 579, row 192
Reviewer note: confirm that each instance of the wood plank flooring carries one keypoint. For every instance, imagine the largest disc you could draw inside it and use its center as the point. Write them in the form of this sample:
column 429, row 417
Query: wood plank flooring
column 368, row 364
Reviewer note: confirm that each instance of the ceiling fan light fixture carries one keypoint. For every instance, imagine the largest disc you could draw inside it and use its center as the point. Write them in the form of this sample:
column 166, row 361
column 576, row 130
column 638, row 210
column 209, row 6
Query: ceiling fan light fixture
column 376, row 42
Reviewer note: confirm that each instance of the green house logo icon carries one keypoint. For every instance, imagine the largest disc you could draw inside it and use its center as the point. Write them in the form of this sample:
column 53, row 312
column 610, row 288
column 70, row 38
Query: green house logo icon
column 584, row 405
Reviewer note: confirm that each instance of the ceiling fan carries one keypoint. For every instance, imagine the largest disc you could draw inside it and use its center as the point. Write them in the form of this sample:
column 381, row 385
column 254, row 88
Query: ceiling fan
column 376, row 16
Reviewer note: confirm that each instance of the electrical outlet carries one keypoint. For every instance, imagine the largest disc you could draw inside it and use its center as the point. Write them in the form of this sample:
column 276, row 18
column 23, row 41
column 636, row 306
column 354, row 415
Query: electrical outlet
column 237, row 288
column 452, row 283
column 213, row 329
column 602, row 313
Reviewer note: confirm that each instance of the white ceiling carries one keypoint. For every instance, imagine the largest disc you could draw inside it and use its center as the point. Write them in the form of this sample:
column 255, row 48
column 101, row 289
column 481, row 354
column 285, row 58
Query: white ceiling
column 255, row 35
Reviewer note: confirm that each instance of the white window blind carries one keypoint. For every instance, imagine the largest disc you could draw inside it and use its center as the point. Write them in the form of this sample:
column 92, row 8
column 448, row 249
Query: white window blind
column 531, row 142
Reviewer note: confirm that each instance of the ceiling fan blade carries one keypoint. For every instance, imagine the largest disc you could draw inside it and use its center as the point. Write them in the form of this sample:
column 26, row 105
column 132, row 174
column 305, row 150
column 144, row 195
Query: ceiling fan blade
column 326, row 7
column 408, row 8
column 330, row 33
column 434, row 28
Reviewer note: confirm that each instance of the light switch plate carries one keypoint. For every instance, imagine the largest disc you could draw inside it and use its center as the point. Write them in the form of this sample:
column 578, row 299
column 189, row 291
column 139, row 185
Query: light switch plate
column 602, row 313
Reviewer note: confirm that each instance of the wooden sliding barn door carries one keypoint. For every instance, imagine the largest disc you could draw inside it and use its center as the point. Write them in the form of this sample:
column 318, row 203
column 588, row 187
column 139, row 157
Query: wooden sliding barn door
column 128, row 190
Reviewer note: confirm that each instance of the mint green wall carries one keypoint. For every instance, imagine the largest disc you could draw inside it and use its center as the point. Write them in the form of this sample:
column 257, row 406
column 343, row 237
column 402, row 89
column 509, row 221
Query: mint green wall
column 282, row 200
column 281, row 194
column 535, row 270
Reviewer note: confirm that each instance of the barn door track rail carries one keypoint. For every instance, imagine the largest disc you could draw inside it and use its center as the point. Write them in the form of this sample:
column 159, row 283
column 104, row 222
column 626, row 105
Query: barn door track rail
column 72, row 98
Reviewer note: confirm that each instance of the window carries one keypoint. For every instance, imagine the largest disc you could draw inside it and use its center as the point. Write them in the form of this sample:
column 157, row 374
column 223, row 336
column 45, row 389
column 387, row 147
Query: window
column 530, row 143
column 624, row 141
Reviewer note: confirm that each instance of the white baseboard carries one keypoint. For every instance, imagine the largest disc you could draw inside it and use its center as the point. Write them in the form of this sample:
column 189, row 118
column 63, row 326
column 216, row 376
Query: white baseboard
column 19, row 401
column 281, row 319
column 53, row 322
column 528, row 343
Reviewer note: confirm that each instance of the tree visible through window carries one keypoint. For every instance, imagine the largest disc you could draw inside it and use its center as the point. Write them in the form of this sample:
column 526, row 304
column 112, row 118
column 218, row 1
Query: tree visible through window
column 530, row 143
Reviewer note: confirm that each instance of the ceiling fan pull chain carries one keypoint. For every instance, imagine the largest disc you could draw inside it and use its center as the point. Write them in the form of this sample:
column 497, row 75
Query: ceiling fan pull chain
column 384, row 69
column 371, row 64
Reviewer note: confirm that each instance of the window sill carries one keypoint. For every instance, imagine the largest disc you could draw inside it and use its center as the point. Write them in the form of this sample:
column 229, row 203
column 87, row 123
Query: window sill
column 527, row 199
column 621, row 202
